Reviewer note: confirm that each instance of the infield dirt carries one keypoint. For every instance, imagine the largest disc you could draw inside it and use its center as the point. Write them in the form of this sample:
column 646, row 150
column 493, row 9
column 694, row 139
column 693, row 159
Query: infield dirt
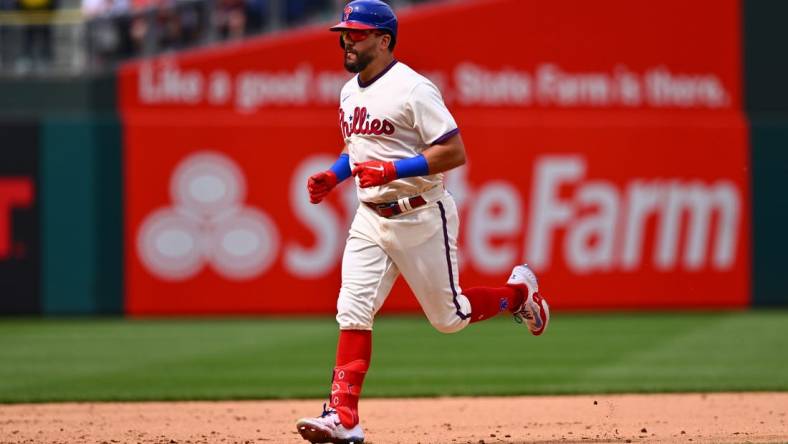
column 664, row 418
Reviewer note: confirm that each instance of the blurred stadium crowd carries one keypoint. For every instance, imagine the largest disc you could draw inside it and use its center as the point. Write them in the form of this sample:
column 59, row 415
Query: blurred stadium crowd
column 77, row 36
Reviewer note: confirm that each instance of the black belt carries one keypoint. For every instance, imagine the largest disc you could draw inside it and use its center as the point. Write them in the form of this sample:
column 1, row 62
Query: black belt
column 390, row 209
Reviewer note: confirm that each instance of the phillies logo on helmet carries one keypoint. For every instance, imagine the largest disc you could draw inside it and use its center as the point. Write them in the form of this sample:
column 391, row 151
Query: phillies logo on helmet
column 348, row 10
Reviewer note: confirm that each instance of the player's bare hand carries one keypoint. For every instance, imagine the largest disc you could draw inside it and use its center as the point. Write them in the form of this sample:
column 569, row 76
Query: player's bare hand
column 374, row 173
column 320, row 184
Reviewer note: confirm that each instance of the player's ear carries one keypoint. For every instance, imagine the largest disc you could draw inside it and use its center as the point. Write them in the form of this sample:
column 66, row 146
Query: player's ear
column 385, row 41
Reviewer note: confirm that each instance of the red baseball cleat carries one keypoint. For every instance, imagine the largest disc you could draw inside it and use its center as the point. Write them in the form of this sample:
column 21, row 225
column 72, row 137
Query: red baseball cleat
column 534, row 311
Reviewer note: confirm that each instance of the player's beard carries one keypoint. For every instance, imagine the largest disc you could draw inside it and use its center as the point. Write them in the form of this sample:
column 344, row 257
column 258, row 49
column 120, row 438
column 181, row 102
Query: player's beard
column 363, row 59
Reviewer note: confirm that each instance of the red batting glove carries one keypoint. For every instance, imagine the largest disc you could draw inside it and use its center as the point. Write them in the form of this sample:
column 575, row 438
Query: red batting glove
column 374, row 173
column 320, row 184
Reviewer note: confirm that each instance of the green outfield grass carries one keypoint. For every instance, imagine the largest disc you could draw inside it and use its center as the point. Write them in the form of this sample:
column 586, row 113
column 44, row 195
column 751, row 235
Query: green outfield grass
column 115, row 359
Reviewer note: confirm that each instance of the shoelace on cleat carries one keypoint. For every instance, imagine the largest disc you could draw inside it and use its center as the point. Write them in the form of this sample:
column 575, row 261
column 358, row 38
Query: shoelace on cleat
column 326, row 412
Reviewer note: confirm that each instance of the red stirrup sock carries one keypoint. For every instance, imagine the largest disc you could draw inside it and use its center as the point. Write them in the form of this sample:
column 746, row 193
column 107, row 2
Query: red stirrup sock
column 487, row 302
column 354, row 351
column 353, row 345
column 346, row 389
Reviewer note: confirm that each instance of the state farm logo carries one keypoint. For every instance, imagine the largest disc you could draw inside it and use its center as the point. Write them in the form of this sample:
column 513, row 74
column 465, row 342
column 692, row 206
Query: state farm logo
column 207, row 224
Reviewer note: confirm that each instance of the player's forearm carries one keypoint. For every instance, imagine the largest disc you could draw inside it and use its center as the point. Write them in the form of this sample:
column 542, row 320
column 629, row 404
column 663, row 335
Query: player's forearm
column 435, row 159
column 446, row 155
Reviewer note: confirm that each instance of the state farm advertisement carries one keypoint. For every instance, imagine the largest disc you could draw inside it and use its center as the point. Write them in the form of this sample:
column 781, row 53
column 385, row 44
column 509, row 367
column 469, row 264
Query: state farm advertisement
column 616, row 167
column 609, row 215
column 568, row 54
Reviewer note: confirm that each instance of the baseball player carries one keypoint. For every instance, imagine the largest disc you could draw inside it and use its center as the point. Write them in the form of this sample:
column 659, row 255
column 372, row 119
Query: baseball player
column 399, row 138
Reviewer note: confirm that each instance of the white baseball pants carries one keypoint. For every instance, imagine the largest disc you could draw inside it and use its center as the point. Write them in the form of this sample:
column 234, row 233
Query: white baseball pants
column 421, row 244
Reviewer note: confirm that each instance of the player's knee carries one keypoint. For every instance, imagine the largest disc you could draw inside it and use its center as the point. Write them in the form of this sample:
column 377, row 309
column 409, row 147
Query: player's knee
column 452, row 316
column 449, row 326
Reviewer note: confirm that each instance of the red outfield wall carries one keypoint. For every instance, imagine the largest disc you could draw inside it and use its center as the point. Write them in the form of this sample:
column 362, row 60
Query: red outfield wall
column 606, row 147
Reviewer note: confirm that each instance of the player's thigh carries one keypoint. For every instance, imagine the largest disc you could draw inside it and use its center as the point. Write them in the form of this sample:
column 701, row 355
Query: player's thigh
column 427, row 259
column 368, row 274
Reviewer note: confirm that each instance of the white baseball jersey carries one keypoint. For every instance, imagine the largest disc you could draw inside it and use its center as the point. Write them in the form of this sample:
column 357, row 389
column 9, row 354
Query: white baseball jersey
column 396, row 115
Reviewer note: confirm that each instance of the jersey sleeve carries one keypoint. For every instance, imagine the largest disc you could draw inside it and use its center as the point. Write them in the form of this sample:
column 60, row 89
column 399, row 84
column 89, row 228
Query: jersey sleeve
column 431, row 119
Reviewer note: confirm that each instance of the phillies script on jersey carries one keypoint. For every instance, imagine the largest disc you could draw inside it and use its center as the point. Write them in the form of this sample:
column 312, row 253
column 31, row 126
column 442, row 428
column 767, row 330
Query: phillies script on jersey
column 359, row 124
